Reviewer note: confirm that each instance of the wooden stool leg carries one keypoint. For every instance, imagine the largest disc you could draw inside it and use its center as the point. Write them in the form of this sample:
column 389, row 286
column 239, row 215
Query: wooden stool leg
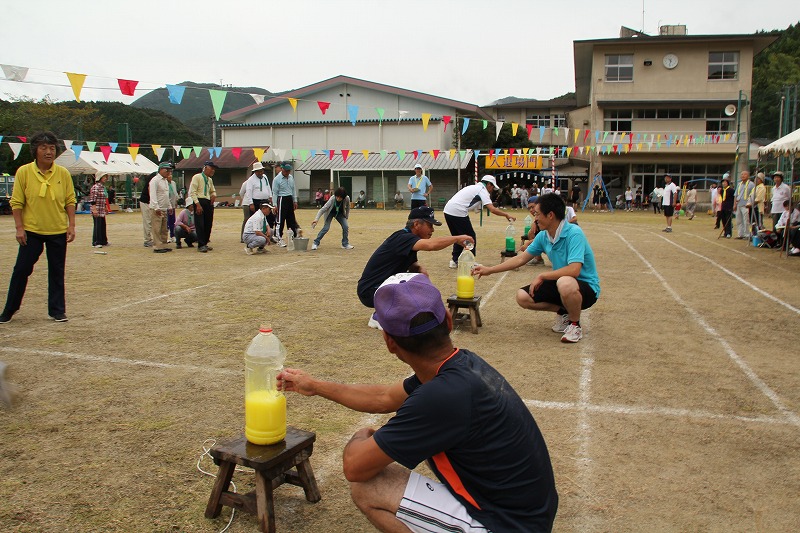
column 478, row 313
column 224, row 476
column 309, row 481
column 453, row 310
column 473, row 319
column 266, row 507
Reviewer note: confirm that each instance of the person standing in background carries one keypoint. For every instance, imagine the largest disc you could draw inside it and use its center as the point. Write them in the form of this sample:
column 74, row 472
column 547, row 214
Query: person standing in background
column 780, row 194
column 202, row 191
column 97, row 199
column 159, row 207
column 420, row 187
column 759, row 197
column 284, row 198
column 691, row 201
column 144, row 207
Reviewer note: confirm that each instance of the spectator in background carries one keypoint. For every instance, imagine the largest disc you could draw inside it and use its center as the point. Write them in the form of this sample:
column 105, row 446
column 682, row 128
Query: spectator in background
column 284, row 196
column 780, row 194
column 318, row 201
column 714, row 192
column 173, row 204
column 204, row 194
column 98, row 202
column 160, row 205
column 361, row 201
column 759, row 197
column 726, row 207
column 691, row 201
column 398, row 200
column 742, row 204
column 144, row 207
column 420, row 187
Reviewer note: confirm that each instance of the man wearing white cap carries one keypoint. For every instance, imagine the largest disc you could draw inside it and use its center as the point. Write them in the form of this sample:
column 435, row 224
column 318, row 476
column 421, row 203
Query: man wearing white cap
column 160, row 205
column 256, row 190
column 420, row 187
column 97, row 199
column 456, row 211
column 257, row 231
column 780, row 193
column 456, row 413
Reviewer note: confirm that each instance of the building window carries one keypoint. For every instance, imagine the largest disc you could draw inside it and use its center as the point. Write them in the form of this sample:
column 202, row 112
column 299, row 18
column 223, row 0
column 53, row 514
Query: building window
column 718, row 122
column 619, row 68
column 538, row 121
column 618, row 120
column 723, row 65
column 559, row 121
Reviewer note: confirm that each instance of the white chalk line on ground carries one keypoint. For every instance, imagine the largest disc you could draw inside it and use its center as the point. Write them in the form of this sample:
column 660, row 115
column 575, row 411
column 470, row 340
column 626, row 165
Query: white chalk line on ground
column 791, row 416
column 749, row 256
column 728, row 272
column 586, row 519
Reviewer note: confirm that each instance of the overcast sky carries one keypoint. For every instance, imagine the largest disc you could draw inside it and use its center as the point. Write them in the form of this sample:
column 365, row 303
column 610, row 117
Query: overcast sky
column 467, row 50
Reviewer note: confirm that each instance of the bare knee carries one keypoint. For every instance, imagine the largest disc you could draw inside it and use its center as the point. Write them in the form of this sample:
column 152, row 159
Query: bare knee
column 524, row 299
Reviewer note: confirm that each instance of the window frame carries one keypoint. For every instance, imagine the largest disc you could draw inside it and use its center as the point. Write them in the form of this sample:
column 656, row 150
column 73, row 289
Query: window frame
column 620, row 68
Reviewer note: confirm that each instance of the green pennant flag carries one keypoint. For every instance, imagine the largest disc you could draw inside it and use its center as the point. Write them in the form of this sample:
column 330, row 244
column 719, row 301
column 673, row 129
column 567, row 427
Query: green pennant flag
column 294, row 153
column 485, row 123
column 197, row 150
column 462, row 154
column 90, row 145
column 186, row 152
column 217, row 100
column 383, row 154
column 380, row 111
column 401, row 154
column 304, row 154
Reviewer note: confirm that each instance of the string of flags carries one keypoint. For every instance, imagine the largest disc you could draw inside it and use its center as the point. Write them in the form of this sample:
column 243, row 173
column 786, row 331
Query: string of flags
column 567, row 141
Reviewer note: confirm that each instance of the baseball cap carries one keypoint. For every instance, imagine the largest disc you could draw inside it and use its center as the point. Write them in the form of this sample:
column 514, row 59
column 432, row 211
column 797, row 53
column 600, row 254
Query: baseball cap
column 489, row 179
column 210, row 164
column 401, row 298
column 417, row 166
column 166, row 164
column 286, row 166
column 266, row 204
column 424, row 213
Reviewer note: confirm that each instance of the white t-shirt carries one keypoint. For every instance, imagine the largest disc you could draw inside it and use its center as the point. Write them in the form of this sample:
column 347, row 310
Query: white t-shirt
column 780, row 194
column 465, row 199
column 665, row 196
column 570, row 213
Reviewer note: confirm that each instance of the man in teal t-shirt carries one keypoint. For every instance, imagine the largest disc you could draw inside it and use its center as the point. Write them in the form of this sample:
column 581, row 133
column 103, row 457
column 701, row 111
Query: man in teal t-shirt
column 420, row 187
column 572, row 285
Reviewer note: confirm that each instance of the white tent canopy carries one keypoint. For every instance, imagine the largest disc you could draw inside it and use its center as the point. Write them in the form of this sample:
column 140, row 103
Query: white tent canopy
column 91, row 162
column 786, row 145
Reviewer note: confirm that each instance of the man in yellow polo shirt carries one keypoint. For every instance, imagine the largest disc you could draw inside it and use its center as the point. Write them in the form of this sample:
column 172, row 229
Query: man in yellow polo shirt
column 43, row 205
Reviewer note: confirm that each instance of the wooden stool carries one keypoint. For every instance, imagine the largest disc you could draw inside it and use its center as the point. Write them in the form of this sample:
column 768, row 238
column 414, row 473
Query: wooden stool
column 455, row 303
column 506, row 254
column 273, row 465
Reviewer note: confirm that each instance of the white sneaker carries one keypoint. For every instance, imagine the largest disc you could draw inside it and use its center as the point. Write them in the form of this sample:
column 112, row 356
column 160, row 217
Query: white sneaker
column 453, row 264
column 573, row 333
column 374, row 323
column 562, row 321
column 248, row 250
column 275, row 239
column 348, row 246
column 536, row 261
column 282, row 243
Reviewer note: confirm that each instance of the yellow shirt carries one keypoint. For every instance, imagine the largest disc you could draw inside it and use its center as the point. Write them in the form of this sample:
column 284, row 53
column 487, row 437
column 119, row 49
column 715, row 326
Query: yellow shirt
column 43, row 198
column 202, row 187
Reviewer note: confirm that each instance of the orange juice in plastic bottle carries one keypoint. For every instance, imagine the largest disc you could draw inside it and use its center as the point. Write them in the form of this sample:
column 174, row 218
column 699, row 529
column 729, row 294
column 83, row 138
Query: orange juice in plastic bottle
column 264, row 405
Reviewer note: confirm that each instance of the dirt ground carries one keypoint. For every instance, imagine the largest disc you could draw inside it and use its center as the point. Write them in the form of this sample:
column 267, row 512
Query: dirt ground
column 679, row 410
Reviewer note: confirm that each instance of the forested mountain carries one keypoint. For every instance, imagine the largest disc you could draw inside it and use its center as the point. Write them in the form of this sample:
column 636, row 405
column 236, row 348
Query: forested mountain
column 774, row 69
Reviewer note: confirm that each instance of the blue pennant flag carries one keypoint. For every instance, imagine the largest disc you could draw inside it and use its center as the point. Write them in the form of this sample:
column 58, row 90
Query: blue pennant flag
column 176, row 93
column 113, row 146
column 466, row 125
column 352, row 111
column 77, row 149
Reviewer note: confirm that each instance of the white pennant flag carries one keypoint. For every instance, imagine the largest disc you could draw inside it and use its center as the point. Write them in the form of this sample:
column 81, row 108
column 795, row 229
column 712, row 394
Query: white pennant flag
column 280, row 153
column 160, row 153
column 498, row 126
column 15, row 147
column 259, row 98
column 177, row 149
column 400, row 114
column 67, row 144
column 14, row 73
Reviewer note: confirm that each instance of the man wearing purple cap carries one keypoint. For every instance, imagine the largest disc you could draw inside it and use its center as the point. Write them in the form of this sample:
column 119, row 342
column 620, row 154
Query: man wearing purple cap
column 398, row 253
column 457, row 413
column 202, row 191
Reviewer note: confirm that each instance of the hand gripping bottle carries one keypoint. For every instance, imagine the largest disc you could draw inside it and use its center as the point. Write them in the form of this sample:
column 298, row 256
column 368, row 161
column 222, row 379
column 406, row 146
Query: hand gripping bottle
column 528, row 224
column 465, row 283
column 511, row 239
column 264, row 405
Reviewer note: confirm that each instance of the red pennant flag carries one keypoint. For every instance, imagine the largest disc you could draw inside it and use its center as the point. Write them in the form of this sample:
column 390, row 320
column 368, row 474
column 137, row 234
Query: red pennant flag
column 511, row 151
column 446, row 120
column 435, row 154
column 23, row 139
column 417, row 153
column 323, row 106
column 345, row 155
column 491, row 153
column 106, row 151
column 127, row 86
column 330, row 154
column 236, row 152
column 529, row 127
column 585, row 135
column 616, row 149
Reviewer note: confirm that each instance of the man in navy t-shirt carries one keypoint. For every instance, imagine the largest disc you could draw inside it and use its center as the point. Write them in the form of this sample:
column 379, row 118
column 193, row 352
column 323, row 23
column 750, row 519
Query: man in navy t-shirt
column 457, row 413
column 398, row 253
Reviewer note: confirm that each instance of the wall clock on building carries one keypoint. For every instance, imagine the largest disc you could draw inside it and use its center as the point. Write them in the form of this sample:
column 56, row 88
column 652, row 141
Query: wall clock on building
column 670, row 61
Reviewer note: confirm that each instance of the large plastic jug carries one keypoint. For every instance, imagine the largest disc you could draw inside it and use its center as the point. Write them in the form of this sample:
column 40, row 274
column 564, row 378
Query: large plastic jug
column 528, row 224
column 264, row 404
column 465, row 283
column 511, row 238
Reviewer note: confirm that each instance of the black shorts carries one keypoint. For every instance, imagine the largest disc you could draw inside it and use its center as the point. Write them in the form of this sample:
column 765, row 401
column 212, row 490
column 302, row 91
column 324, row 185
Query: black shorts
column 548, row 293
column 669, row 210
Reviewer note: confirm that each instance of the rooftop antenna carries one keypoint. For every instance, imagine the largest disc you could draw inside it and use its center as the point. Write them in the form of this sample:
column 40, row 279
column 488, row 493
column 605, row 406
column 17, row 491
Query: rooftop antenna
column 642, row 16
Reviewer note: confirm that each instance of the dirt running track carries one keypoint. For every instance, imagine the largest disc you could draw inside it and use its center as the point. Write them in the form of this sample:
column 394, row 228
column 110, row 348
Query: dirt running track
column 679, row 410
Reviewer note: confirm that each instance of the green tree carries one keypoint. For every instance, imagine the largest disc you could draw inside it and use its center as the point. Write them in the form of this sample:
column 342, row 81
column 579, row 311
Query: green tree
column 773, row 70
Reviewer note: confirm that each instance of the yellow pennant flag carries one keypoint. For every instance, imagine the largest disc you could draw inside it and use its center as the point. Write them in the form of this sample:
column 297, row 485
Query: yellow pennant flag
column 76, row 80
column 134, row 151
column 575, row 141
column 259, row 153
column 514, row 127
column 293, row 101
column 156, row 148
column 366, row 154
column 569, row 151
column 425, row 118
column 452, row 153
column 525, row 151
